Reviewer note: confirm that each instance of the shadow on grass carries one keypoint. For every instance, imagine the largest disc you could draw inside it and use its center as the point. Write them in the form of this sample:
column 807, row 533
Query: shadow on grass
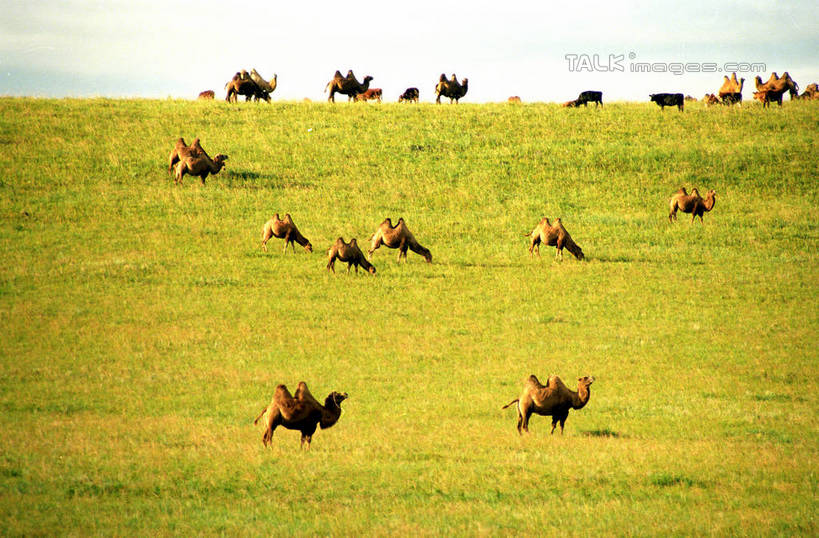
column 245, row 179
column 494, row 265
column 602, row 433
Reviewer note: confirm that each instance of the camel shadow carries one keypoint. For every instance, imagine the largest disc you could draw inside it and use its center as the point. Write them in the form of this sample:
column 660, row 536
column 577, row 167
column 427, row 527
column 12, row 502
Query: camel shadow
column 605, row 432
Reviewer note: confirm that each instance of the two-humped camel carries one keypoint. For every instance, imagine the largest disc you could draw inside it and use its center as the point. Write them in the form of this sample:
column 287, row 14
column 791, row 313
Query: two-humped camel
column 691, row 203
column 301, row 412
column 398, row 236
column 554, row 399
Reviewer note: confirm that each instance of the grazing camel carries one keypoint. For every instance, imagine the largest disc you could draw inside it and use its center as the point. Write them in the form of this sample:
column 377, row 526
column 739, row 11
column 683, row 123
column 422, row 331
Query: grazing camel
column 301, row 412
column 206, row 95
column 198, row 165
column 691, row 203
column 348, row 85
column 553, row 236
column 555, row 399
column 349, row 253
column 284, row 229
column 194, row 150
column 399, row 237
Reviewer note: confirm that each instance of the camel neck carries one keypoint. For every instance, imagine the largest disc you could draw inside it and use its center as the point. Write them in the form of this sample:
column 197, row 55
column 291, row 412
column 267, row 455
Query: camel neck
column 581, row 397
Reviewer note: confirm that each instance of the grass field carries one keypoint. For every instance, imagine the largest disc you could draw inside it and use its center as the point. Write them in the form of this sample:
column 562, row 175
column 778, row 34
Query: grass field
column 143, row 329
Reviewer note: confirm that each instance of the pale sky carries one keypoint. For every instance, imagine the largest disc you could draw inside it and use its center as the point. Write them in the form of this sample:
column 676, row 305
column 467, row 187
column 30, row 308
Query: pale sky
column 160, row 49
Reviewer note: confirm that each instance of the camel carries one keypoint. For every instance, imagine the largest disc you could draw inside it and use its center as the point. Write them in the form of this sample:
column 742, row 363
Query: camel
column 399, row 237
column 691, row 203
column 553, row 236
column 301, row 412
column 265, row 86
column 349, row 253
column 348, row 85
column 284, row 229
column 198, row 165
column 450, row 88
column 194, row 149
column 778, row 84
column 811, row 92
column 206, row 95
column 243, row 83
column 555, row 399
column 731, row 86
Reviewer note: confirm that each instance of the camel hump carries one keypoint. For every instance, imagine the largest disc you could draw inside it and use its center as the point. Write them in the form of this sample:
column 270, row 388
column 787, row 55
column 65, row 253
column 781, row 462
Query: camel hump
column 353, row 242
column 288, row 218
column 281, row 394
column 533, row 380
column 554, row 382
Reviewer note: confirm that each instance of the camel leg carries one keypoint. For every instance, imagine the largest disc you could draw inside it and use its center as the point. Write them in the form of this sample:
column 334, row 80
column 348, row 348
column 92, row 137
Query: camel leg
column 264, row 245
column 562, row 422
column 274, row 420
column 306, row 439
column 520, row 422
column 373, row 249
column 526, row 420
column 554, row 423
column 331, row 265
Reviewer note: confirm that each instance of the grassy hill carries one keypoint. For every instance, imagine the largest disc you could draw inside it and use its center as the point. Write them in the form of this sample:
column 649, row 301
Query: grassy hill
column 143, row 328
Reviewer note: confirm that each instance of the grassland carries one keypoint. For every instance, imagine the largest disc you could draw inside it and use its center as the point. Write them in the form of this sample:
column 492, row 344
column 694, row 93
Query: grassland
column 143, row 328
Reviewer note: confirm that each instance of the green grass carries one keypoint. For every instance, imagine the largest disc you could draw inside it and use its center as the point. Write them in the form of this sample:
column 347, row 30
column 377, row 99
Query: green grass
column 143, row 329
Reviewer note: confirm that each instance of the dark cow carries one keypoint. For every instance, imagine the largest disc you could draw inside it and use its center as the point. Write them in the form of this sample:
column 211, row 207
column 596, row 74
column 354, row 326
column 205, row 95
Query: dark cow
column 589, row 97
column 668, row 99
column 410, row 95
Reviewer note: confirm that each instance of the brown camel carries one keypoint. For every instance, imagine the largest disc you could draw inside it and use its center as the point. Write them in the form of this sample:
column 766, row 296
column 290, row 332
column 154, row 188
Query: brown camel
column 194, row 150
column 778, row 84
column 691, row 203
column 555, row 399
column 348, row 85
column 731, row 86
column 301, row 412
column 349, row 253
column 450, row 88
column 242, row 83
column 284, row 229
column 553, row 236
column 399, row 237
column 198, row 165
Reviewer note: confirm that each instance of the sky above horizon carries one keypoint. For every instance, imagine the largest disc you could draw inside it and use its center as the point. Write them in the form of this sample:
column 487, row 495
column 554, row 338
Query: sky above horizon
column 539, row 51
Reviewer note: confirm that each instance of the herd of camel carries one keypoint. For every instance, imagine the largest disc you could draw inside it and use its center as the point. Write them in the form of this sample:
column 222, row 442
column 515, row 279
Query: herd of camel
column 253, row 86
column 301, row 411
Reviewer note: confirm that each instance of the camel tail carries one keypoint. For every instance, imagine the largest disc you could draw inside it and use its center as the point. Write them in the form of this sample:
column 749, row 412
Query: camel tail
column 260, row 416
column 510, row 403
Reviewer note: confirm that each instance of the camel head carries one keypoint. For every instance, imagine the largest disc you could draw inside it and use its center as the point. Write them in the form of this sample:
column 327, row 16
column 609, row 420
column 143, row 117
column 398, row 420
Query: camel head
column 308, row 247
column 585, row 381
column 220, row 159
column 371, row 269
column 336, row 398
column 367, row 79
